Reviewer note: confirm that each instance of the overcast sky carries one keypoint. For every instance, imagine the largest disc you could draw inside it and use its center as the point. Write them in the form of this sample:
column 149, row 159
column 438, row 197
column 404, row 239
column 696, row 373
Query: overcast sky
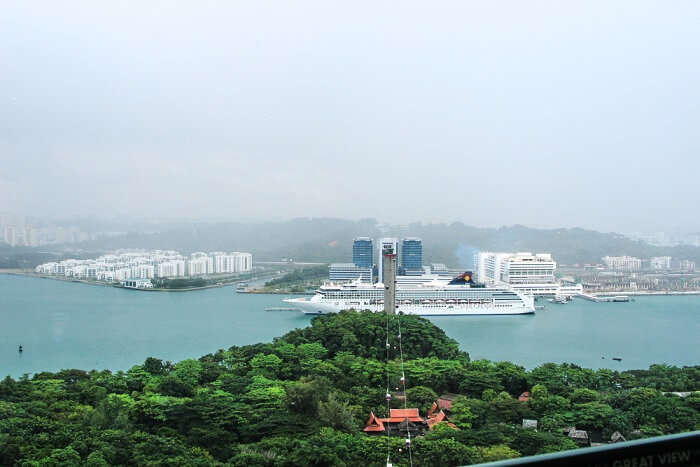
column 542, row 113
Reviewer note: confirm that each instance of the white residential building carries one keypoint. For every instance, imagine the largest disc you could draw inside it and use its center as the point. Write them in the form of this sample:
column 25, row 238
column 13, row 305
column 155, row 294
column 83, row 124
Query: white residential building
column 224, row 263
column 660, row 263
column 243, row 262
column 143, row 271
column 623, row 263
column 171, row 268
column 200, row 264
column 10, row 235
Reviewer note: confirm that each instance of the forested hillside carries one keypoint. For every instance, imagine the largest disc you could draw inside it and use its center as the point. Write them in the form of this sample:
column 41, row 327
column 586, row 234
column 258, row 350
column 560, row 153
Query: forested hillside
column 330, row 240
column 304, row 398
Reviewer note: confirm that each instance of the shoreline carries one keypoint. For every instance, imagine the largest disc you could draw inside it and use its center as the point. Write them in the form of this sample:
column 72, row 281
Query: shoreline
column 647, row 293
column 263, row 292
column 26, row 273
column 31, row 273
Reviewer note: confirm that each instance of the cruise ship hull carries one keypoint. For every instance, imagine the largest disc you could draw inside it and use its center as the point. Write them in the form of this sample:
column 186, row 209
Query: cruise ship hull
column 319, row 307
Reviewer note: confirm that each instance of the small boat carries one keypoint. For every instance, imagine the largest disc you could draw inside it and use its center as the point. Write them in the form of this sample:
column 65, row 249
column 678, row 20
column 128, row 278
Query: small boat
column 561, row 299
column 617, row 359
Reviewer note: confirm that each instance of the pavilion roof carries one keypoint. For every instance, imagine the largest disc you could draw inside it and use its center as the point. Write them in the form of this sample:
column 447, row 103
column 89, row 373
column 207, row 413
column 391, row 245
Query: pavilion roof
column 374, row 423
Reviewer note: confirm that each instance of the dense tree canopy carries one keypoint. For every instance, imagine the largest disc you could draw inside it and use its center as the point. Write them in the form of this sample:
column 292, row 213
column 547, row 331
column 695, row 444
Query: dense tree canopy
column 304, row 398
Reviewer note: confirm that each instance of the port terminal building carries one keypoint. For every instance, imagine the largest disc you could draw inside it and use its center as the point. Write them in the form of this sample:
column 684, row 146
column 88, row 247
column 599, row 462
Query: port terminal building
column 531, row 274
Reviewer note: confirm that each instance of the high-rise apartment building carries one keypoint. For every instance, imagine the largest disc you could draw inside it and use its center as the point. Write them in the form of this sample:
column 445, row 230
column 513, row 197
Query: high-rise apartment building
column 200, row 264
column 363, row 252
column 171, row 268
column 412, row 256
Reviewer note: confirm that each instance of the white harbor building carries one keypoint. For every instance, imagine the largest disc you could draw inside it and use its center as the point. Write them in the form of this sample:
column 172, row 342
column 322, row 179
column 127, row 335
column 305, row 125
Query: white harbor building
column 531, row 274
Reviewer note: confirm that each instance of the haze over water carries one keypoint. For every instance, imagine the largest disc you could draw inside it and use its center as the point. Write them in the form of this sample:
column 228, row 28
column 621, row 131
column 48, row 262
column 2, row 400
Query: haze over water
column 68, row 325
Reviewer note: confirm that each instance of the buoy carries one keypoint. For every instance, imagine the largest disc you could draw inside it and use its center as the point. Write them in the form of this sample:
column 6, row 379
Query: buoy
column 20, row 348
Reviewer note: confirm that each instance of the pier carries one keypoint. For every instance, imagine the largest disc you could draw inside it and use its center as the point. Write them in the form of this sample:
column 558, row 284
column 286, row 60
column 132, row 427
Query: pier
column 602, row 299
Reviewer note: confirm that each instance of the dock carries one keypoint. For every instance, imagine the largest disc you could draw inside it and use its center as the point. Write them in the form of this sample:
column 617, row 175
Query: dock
column 599, row 299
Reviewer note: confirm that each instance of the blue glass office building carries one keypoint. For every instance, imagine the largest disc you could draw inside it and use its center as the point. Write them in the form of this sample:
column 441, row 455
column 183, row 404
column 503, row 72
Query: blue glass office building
column 412, row 256
column 362, row 252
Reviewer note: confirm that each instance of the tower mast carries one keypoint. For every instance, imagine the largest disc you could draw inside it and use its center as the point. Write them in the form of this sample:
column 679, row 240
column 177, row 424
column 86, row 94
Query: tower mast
column 389, row 267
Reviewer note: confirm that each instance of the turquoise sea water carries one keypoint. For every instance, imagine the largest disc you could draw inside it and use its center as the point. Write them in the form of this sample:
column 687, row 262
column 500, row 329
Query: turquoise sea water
column 70, row 325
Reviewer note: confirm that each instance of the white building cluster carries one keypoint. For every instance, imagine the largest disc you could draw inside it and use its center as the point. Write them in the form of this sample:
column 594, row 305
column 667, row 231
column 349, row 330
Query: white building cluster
column 655, row 263
column 130, row 265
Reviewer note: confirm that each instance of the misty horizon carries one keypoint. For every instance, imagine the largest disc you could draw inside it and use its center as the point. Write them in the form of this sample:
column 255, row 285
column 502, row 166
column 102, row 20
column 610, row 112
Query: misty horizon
column 541, row 114
column 137, row 224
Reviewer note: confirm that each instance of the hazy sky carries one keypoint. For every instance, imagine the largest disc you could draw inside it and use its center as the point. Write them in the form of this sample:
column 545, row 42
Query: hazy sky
column 543, row 113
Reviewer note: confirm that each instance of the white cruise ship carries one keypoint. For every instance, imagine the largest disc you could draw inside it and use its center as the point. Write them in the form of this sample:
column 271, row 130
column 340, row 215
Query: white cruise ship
column 457, row 297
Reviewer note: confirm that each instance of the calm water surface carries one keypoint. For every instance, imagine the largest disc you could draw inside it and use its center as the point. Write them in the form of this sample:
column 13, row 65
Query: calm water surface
column 69, row 325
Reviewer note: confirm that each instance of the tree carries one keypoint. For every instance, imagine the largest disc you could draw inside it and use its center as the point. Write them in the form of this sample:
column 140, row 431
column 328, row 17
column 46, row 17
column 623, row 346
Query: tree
column 113, row 412
column 171, row 385
column 488, row 395
column 303, row 396
column 474, row 383
column 549, row 405
column 539, row 391
column 421, row 397
column 96, row 459
column 583, row 395
column 188, row 371
column 336, row 413
column 154, row 366
column 265, row 365
column 461, row 414
column 531, row 442
column 497, row 453
column 60, row 457
column 592, row 415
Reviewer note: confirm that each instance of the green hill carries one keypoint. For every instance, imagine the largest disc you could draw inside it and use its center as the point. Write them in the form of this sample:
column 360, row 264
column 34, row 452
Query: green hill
column 303, row 399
